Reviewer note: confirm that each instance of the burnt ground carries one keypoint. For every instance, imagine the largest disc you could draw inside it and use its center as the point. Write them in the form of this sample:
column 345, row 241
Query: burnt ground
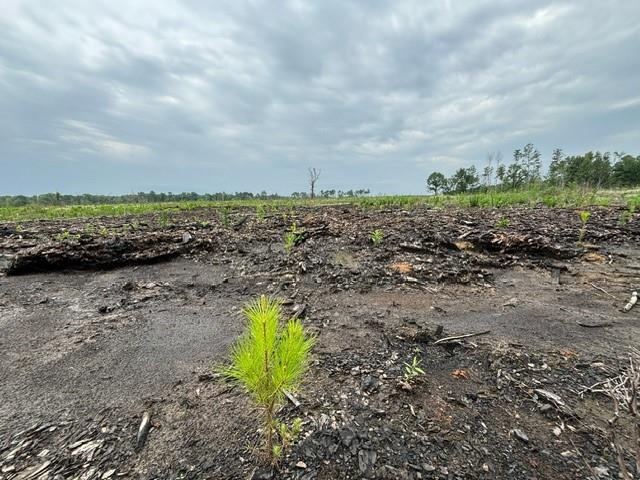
column 102, row 320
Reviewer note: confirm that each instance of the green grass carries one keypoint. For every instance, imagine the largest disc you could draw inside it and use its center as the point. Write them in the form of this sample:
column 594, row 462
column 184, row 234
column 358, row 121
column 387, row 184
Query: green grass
column 491, row 199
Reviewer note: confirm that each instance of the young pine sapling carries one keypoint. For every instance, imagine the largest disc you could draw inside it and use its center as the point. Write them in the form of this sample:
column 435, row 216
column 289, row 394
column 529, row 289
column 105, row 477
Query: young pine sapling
column 584, row 218
column 267, row 361
column 376, row 237
column 293, row 237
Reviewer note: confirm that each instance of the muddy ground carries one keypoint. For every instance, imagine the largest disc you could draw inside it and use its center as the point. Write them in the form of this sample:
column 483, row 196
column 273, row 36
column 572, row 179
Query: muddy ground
column 102, row 320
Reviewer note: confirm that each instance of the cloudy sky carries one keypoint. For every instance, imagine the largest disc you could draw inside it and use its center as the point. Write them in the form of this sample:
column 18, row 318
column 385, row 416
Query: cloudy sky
column 198, row 95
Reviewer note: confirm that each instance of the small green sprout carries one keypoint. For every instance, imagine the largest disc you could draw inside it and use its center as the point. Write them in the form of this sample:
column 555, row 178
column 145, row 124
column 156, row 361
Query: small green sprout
column 413, row 370
column 376, row 237
column 584, row 218
column 224, row 215
column 289, row 434
column 260, row 212
column 503, row 223
column 164, row 219
column 66, row 235
column 293, row 237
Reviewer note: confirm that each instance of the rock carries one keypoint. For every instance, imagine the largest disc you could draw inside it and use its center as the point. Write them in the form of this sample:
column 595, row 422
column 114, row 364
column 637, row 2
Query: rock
column 557, row 431
column 262, row 474
column 520, row 435
column 301, row 464
column 186, row 237
column 601, row 472
column 512, row 302
column 366, row 460
column 369, row 383
column 347, row 435
column 143, row 430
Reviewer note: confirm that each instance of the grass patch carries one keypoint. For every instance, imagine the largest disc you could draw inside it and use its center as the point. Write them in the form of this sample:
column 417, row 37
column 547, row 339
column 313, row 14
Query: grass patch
column 491, row 199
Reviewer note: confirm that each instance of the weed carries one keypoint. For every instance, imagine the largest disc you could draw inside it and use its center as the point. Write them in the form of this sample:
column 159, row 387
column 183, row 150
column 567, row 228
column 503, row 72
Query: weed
column 164, row 219
column 552, row 197
column 413, row 370
column 627, row 216
column 268, row 360
column 260, row 213
column 66, row 235
column 584, row 218
column 225, row 217
column 19, row 228
column 89, row 230
column 293, row 238
column 503, row 223
column 289, row 434
column 104, row 231
column 376, row 237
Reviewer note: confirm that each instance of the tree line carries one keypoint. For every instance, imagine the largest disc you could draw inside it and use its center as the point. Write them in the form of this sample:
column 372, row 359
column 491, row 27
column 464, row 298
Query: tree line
column 592, row 169
column 56, row 198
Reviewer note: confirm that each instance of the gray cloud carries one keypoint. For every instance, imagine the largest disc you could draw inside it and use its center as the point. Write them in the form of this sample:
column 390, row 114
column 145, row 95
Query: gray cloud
column 195, row 95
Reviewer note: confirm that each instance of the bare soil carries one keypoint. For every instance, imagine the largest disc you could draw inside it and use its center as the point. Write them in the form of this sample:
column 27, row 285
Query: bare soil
column 122, row 316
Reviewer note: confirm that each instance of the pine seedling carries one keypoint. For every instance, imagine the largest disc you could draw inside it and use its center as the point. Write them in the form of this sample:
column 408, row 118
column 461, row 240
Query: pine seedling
column 376, row 237
column 293, row 237
column 268, row 360
column 584, row 218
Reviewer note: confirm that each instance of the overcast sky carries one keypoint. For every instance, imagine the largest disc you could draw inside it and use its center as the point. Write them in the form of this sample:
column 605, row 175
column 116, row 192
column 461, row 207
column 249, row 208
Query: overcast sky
column 123, row 96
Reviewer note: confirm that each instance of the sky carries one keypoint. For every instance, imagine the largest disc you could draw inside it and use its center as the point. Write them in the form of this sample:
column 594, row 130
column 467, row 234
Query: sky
column 118, row 96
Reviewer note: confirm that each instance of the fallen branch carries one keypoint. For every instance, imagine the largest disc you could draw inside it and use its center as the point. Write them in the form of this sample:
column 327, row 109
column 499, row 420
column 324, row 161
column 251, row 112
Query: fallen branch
column 603, row 291
column 594, row 325
column 459, row 337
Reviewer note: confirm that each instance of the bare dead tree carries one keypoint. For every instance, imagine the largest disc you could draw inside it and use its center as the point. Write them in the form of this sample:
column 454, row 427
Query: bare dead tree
column 314, row 174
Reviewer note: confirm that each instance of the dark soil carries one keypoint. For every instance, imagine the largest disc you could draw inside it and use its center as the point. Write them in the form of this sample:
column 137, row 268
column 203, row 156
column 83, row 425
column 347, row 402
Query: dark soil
column 103, row 320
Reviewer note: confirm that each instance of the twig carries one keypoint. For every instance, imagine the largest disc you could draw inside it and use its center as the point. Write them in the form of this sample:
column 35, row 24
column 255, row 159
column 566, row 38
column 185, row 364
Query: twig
column 292, row 399
column 583, row 314
column 458, row 337
column 584, row 460
column 603, row 291
column 594, row 325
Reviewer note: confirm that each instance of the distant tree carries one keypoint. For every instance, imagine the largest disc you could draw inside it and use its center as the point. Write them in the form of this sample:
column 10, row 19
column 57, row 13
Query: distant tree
column 626, row 171
column 436, row 182
column 557, row 168
column 487, row 172
column 501, row 173
column 314, row 174
column 530, row 160
column 465, row 179
column 514, row 176
column 487, row 175
column 591, row 169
